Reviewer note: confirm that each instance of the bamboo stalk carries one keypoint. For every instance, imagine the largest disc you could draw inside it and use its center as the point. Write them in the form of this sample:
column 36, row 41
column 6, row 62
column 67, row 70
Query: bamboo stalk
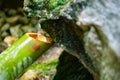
column 16, row 58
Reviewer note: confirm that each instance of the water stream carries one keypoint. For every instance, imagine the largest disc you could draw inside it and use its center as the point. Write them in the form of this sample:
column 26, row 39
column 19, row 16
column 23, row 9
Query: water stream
column 38, row 25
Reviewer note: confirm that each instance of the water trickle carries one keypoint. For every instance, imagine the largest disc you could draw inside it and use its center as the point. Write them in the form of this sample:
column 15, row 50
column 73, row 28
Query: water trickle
column 40, row 33
column 38, row 25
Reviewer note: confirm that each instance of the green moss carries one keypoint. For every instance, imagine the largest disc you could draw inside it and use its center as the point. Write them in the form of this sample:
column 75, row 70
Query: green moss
column 56, row 3
column 45, row 68
column 45, row 8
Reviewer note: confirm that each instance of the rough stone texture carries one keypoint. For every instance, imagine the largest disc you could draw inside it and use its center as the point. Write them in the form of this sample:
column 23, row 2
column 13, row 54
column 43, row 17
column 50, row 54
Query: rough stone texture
column 13, row 23
column 70, row 37
column 105, row 15
column 69, row 68
column 94, row 40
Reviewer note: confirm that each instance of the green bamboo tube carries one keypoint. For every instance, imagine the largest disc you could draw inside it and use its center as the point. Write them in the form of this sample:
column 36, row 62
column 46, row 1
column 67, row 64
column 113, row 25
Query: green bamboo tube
column 16, row 58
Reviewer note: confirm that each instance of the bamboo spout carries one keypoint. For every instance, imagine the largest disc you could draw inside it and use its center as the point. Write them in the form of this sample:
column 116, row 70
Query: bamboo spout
column 17, row 57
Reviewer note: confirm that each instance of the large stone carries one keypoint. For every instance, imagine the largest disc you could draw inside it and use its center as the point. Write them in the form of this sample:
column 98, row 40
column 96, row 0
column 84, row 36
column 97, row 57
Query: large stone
column 89, row 30
column 102, row 40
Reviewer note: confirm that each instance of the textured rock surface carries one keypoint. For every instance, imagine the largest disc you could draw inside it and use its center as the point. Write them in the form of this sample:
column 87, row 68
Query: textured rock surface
column 103, row 14
column 70, row 37
column 13, row 23
column 94, row 40
column 66, row 70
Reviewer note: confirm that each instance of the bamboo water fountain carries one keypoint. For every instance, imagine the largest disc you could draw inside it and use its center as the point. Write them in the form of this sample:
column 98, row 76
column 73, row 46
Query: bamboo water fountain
column 16, row 58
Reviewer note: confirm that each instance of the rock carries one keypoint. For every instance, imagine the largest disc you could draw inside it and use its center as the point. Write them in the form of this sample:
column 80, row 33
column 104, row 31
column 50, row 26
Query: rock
column 15, row 31
column 102, row 44
column 95, row 44
column 10, row 40
column 69, row 68
column 12, row 12
column 66, row 37
column 12, row 23
column 28, row 28
column 27, row 76
column 4, row 34
column 23, row 20
column 1, row 22
column 5, row 27
column 2, row 14
column 3, row 46
column 12, row 20
column 89, row 30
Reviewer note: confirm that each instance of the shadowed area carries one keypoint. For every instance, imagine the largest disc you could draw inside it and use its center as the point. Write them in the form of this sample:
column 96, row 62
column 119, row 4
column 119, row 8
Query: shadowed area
column 69, row 68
